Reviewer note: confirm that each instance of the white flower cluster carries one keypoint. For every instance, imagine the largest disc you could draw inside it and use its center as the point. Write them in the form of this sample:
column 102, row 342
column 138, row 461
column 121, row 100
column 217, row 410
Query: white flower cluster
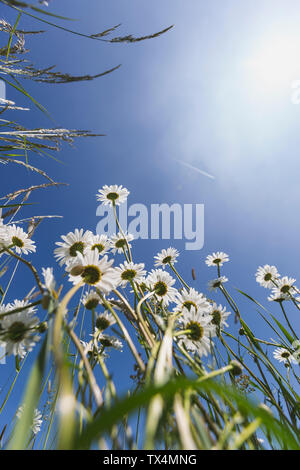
column 282, row 288
column 18, row 325
column 89, row 259
column 217, row 260
column 86, row 255
column 37, row 419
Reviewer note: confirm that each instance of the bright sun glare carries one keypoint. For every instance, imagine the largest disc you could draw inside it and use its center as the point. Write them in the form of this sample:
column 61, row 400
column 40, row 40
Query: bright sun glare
column 275, row 63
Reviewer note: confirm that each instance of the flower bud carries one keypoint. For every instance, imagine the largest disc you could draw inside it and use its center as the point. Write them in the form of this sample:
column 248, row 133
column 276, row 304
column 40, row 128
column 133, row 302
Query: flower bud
column 237, row 368
column 77, row 270
column 264, row 407
column 43, row 327
column 46, row 301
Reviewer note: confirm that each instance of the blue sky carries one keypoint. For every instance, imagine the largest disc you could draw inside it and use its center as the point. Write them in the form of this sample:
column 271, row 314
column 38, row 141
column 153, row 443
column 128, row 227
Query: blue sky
column 211, row 93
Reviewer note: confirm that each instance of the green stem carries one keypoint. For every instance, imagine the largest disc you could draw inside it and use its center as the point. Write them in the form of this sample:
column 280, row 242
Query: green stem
column 287, row 320
column 178, row 275
column 29, row 265
column 124, row 331
column 120, row 229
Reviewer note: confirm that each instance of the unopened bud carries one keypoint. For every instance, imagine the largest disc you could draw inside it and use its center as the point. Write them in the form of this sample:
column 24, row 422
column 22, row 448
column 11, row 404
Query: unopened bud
column 102, row 323
column 264, row 407
column 77, row 270
column 46, row 301
column 43, row 327
column 237, row 368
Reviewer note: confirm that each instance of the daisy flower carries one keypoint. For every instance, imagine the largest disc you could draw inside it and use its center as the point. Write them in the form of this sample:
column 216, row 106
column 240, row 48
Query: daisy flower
column 93, row 271
column 283, row 290
column 112, row 195
column 265, row 276
column 129, row 272
column 108, row 341
column 285, row 285
column 100, row 243
column 296, row 344
column 296, row 356
column 283, row 355
column 90, row 348
column 118, row 242
column 168, row 256
column 217, row 259
column 197, row 339
column 161, row 283
column 215, row 283
column 116, row 304
column 278, row 296
column 90, row 300
column 37, row 419
column 3, row 233
column 73, row 243
column 105, row 321
column 219, row 315
column 191, row 298
column 19, row 239
column 17, row 332
column 49, row 281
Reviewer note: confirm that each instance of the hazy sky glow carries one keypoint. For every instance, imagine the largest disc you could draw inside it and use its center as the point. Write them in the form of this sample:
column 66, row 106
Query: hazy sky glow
column 214, row 93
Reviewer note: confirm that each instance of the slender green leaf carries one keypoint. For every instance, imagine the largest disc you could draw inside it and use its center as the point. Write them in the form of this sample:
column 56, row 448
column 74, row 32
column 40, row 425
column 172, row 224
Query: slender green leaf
column 30, row 401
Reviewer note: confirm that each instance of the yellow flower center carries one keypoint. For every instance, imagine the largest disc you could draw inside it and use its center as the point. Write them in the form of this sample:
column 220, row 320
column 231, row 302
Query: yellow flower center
column 160, row 288
column 78, row 246
column 196, row 331
column 91, row 274
column 17, row 242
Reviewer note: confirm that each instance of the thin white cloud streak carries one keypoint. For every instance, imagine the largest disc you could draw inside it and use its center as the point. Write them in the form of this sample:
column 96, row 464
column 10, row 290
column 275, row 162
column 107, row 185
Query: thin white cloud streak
column 188, row 165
